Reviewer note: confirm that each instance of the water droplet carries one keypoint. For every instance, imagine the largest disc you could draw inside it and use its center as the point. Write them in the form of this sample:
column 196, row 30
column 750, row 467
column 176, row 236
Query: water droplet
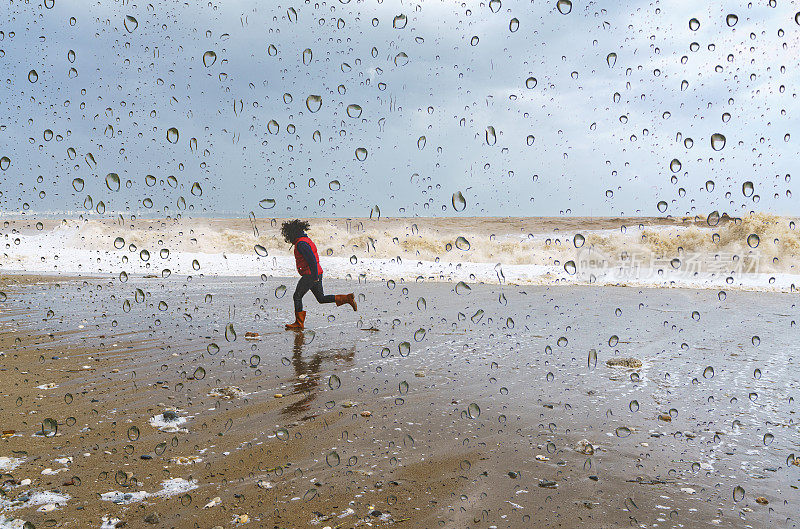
column 662, row 206
column 474, row 411
column 308, row 55
column 491, row 135
column 399, row 22
column 611, row 59
column 731, row 20
column 530, row 82
column 622, row 431
column 112, row 181
column 33, row 76
column 513, row 25
column 334, row 382
column 462, row 288
column 459, row 202
column 280, row 291
column 768, row 438
column 675, row 165
column 570, row 268
column 332, row 459
column 564, row 6
column 354, row 111
column 260, row 250
column 314, row 103
column 419, row 335
column 747, row 189
column 404, row 349
column 592, row 360
column 361, row 154
column 738, row 493
column 753, row 240
column 708, row 372
column 717, row 141
column 172, row 135
column 694, row 24
column 462, row 244
column 209, row 58
column 495, row 5
column 634, row 406
column 230, row 333
column 402, row 387
column 266, row 203
column 49, row 427
column 133, row 433
column 578, row 240
column 130, row 23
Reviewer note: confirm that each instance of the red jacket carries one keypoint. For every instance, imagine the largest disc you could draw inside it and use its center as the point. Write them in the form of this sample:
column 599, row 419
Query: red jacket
column 303, row 267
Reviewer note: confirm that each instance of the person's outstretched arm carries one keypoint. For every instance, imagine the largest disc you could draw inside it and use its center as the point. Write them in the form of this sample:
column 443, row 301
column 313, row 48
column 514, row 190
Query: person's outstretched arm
column 305, row 250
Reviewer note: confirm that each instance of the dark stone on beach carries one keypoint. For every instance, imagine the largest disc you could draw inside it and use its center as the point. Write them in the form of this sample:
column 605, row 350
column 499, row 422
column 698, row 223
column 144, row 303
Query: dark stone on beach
column 145, row 456
column 631, row 363
column 513, row 475
column 152, row 518
column 170, row 415
column 594, row 478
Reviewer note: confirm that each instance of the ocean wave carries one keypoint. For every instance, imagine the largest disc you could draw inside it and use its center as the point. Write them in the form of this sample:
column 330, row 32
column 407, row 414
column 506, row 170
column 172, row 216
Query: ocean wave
column 757, row 251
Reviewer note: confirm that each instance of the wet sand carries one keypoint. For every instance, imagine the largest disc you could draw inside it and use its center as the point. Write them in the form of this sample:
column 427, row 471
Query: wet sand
column 429, row 407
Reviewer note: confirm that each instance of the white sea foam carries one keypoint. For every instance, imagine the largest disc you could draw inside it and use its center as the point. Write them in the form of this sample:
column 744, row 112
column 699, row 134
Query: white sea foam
column 11, row 523
column 169, row 487
column 760, row 252
column 7, row 464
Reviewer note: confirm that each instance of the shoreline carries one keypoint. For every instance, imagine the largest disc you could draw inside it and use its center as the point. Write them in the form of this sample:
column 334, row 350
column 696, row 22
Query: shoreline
column 31, row 277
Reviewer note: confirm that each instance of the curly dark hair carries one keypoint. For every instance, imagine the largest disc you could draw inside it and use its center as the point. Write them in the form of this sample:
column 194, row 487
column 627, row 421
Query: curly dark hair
column 294, row 229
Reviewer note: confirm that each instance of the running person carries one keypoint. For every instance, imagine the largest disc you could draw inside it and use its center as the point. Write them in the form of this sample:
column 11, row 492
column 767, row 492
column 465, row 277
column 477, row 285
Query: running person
column 310, row 270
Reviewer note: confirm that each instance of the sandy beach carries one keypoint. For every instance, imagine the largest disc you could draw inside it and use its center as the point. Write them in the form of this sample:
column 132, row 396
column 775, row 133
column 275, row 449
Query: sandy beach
column 143, row 404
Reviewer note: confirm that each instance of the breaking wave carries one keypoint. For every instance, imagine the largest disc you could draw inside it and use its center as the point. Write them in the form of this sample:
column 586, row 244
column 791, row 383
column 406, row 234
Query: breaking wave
column 757, row 251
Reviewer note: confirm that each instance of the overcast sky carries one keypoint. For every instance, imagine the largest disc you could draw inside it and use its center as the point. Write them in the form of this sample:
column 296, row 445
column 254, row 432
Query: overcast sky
column 591, row 135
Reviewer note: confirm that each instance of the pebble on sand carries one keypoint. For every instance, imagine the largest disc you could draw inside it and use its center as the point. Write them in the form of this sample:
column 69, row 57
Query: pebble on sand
column 584, row 447
column 227, row 392
column 761, row 500
column 213, row 503
column 632, row 363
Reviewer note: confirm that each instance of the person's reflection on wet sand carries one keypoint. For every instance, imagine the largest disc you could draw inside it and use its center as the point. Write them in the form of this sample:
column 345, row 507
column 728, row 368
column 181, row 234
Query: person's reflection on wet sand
column 307, row 377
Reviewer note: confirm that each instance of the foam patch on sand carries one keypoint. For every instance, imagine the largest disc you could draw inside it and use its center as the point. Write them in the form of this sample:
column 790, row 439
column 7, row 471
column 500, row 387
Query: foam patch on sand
column 169, row 421
column 11, row 523
column 169, row 487
column 35, row 499
column 7, row 464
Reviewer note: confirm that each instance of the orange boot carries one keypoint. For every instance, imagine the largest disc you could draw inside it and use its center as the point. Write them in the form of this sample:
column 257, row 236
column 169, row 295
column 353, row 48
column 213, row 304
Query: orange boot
column 348, row 299
column 299, row 321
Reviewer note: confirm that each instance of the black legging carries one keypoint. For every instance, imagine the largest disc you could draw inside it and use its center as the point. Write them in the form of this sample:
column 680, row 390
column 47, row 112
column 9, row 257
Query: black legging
column 305, row 284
